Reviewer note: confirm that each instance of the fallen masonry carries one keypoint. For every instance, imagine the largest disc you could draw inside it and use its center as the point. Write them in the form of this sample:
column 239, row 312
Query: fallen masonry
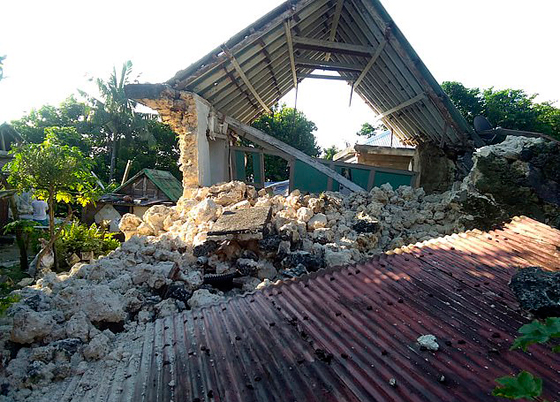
column 228, row 239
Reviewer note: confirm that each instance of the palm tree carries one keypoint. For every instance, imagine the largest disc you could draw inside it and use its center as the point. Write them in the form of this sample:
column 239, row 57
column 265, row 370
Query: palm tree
column 115, row 113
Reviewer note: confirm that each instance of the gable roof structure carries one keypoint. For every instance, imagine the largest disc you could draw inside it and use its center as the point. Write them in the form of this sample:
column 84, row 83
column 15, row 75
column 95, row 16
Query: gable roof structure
column 162, row 179
column 253, row 70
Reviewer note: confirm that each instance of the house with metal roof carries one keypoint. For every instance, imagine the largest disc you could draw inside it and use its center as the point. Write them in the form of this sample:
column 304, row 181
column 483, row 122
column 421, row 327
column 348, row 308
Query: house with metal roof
column 146, row 188
column 384, row 149
column 213, row 101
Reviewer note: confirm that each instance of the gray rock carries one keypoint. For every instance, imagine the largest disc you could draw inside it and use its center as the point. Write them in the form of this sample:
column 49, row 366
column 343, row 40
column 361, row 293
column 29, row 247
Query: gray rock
column 537, row 291
column 30, row 326
column 203, row 297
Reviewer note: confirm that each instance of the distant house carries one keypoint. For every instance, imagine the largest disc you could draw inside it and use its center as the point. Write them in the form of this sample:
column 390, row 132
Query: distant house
column 382, row 150
column 148, row 187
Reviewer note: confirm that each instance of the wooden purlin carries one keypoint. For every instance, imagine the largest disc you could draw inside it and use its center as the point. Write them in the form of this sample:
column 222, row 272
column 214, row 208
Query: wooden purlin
column 288, row 29
column 334, row 24
column 396, row 72
column 245, row 79
column 254, row 133
column 373, row 8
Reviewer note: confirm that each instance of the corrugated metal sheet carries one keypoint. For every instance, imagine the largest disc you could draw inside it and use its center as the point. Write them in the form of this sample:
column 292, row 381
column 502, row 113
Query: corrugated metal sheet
column 384, row 140
column 163, row 180
column 262, row 52
column 344, row 334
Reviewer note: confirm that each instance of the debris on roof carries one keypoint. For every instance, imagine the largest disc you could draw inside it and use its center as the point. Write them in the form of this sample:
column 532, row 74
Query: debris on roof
column 345, row 334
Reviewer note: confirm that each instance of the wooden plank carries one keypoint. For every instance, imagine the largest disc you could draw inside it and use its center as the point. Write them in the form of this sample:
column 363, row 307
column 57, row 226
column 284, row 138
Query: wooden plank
column 421, row 73
column 333, row 47
column 324, row 77
column 245, row 79
column 215, row 58
column 409, row 102
column 288, row 29
column 327, row 65
column 371, row 62
column 296, row 153
column 334, row 25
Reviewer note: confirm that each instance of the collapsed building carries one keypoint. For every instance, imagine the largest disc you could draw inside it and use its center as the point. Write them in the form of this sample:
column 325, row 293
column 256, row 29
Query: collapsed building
column 237, row 294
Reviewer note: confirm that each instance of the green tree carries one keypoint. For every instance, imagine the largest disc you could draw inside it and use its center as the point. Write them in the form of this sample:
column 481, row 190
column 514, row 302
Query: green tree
column 70, row 113
column 330, row 152
column 56, row 172
column 369, row 130
column 508, row 108
column 291, row 127
column 163, row 153
column 468, row 101
column 115, row 115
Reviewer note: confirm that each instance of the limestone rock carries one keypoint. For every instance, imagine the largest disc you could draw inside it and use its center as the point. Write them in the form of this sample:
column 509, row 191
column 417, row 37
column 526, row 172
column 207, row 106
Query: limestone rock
column 537, row 290
column 129, row 224
column 203, row 297
column 204, row 211
column 337, row 258
column 78, row 326
column 30, row 326
column 98, row 302
column 317, row 221
column 97, row 348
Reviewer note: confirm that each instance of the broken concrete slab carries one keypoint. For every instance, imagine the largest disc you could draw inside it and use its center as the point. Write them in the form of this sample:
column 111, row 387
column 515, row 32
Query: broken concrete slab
column 537, row 290
column 242, row 222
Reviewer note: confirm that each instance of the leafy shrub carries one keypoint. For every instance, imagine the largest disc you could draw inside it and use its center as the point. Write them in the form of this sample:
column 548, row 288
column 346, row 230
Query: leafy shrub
column 78, row 238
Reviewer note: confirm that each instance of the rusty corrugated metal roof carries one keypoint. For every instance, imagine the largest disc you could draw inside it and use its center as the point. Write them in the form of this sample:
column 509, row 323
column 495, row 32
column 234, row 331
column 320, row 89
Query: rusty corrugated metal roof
column 343, row 334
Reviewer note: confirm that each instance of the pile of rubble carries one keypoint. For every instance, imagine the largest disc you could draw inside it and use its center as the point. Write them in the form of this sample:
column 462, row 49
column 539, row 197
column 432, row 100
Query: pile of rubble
column 175, row 259
column 228, row 239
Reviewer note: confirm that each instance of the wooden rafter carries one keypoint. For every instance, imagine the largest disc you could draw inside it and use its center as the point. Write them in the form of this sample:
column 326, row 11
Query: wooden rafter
column 333, row 47
column 409, row 102
column 288, row 29
column 334, row 25
column 324, row 77
column 255, row 134
column 327, row 65
column 371, row 62
column 245, row 79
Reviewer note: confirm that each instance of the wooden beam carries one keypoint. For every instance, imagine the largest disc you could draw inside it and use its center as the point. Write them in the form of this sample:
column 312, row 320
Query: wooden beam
column 371, row 62
column 327, row 65
column 409, row 102
column 288, row 29
column 334, row 25
column 245, row 79
column 333, row 47
column 324, row 77
column 296, row 153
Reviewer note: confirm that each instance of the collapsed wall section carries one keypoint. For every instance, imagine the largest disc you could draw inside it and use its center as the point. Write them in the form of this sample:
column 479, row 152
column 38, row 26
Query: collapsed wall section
column 188, row 116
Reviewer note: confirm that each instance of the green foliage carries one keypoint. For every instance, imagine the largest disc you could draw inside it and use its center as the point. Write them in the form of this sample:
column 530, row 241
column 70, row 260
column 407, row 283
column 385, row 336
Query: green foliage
column 6, row 300
column 467, row 100
column 524, row 385
column 537, row 332
column 77, row 238
column 29, row 235
column 368, row 130
column 507, row 108
column 291, row 127
column 70, row 113
column 52, row 169
column 330, row 152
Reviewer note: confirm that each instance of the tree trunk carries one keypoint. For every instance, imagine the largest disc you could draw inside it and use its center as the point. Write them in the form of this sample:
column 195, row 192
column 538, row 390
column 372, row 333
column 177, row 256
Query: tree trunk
column 51, row 227
column 113, row 157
